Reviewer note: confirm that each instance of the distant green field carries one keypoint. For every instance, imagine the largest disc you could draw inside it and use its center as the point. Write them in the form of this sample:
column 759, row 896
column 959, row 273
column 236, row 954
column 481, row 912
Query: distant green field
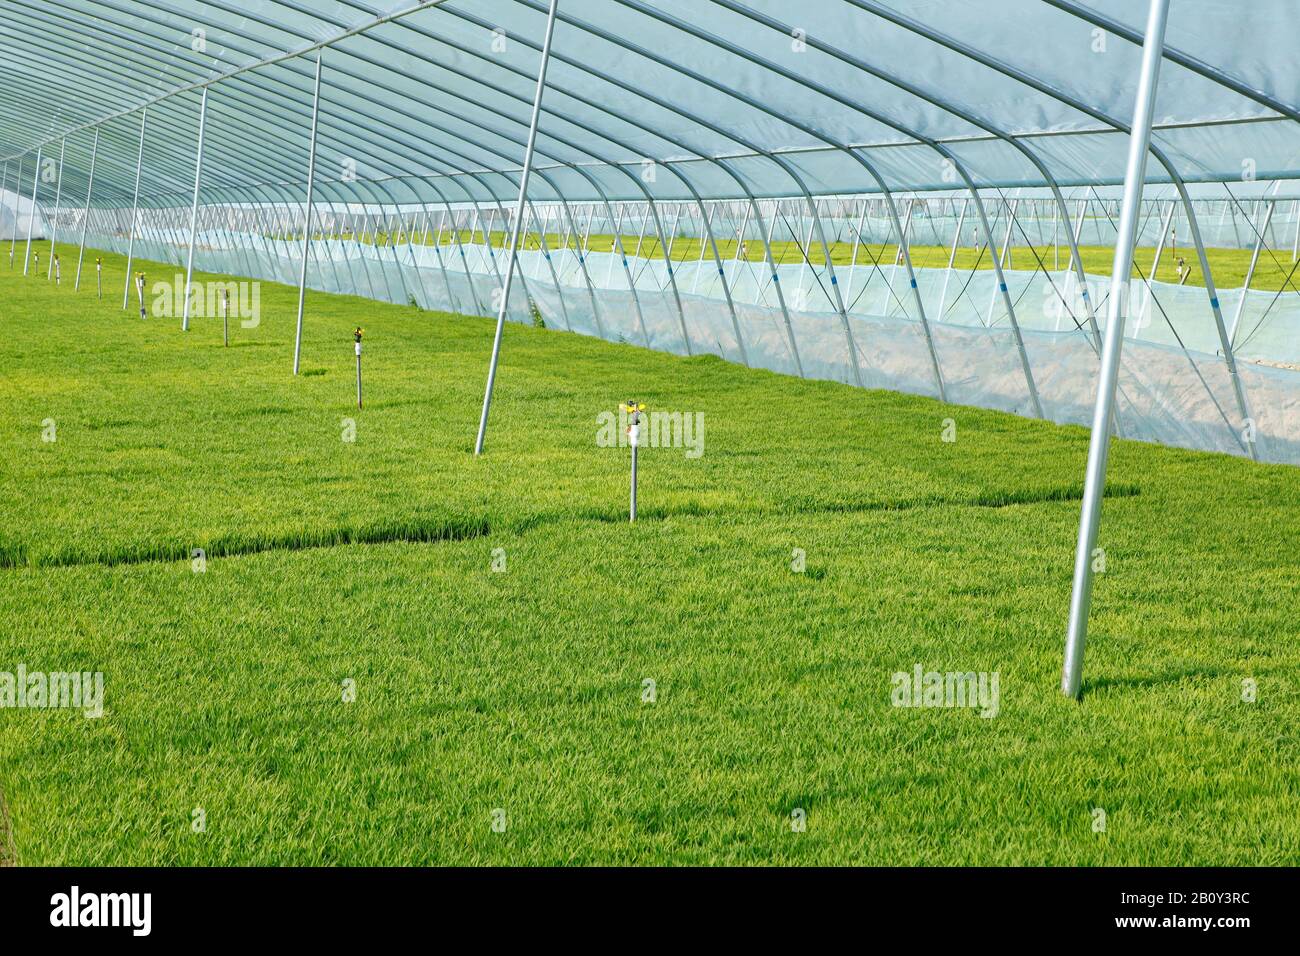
column 518, row 697
column 1275, row 270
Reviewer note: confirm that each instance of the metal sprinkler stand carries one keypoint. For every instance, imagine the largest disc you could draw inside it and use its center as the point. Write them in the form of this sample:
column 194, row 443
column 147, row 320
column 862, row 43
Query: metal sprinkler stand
column 99, row 276
column 357, row 335
column 634, row 410
column 139, row 290
column 58, row 273
column 225, row 316
column 36, row 264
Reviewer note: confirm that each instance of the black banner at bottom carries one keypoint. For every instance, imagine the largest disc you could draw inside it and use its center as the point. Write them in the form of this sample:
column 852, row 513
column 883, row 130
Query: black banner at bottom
column 1220, row 906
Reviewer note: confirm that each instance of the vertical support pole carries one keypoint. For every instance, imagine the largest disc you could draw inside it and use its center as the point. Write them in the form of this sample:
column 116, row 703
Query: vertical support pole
column 1002, row 256
column 1001, row 280
column 135, row 207
column 722, row 274
column 4, row 184
column 704, row 227
column 838, row 300
column 634, row 439
column 581, row 254
column 85, row 219
column 58, row 197
column 1056, row 235
column 905, row 247
column 1295, row 245
column 766, row 236
column 518, row 223
column 18, row 188
column 619, row 250
column 1262, row 220
column 952, row 259
column 194, row 211
column 1099, row 447
column 550, row 263
column 615, row 245
column 31, row 212
column 1155, row 266
column 666, row 247
column 853, row 262
column 4, row 180
column 1229, row 360
column 306, row 221
column 898, row 258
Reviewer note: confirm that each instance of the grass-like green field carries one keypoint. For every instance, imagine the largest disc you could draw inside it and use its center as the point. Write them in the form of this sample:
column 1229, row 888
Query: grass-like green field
column 1274, row 271
column 497, row 618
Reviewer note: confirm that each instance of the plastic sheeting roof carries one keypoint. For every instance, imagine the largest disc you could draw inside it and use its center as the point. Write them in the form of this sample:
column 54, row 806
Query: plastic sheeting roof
column 430, row 101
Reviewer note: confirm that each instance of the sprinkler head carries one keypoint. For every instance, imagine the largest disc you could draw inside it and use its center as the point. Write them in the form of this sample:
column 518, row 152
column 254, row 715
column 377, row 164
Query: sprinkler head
column 357, row 334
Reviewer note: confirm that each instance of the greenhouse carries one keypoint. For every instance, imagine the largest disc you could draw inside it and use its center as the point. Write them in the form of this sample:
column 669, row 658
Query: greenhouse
column 1071, row 212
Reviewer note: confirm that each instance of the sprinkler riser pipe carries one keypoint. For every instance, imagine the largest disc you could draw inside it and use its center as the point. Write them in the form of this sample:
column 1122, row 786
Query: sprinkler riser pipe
column 634, row 439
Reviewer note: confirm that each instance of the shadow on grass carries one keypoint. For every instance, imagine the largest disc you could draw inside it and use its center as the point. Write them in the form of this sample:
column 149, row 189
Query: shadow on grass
column 1175, row 676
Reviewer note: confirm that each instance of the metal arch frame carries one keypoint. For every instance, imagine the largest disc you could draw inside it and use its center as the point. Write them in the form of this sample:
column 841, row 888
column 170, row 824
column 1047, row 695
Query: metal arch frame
column 404, row 24
column 1263, row 217
column 663, row 243
column 562, row 141
column 1227, row 354
column 372, row 61
column 688, row 340
column 230, row 89
column 959, row 112
column 173, row 106
column 595, row 185
column 853, row 152
column 757, row 151
column 1193, row 224
column 309, row 47
column 717, row 259
column 357, row 29
column 632, row 285
column 490, row 191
